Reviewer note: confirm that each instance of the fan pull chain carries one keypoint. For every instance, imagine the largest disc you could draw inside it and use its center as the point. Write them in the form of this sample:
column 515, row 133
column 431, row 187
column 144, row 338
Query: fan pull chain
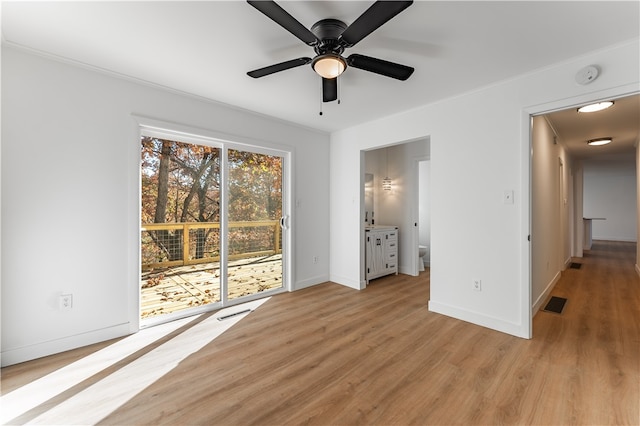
column 338, row 88
column 321, row 95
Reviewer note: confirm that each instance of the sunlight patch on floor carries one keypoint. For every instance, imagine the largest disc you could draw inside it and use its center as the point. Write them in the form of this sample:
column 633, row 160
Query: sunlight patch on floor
column 106, row 395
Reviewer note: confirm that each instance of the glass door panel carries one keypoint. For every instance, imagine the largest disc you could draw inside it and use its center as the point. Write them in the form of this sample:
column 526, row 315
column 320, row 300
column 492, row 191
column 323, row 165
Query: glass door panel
column 180, row 227
column 254, row 235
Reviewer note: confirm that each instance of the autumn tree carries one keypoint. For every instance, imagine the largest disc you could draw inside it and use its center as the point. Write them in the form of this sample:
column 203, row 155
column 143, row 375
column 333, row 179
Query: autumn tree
column 181, row 183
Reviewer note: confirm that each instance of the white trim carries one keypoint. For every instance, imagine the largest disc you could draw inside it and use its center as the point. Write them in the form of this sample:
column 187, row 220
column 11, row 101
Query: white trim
column 545, row 294
column 348, row 282
column 39, row 350
column 310, row 282
column 199, row 135
column 224, row 228
column 525, row 227
column 478, row 319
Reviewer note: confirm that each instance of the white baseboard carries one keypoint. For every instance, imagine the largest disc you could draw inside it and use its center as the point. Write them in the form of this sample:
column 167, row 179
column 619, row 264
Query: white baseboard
column 39, row 350
column 621, row 240
column 482, row 320
column 545, row 294
column 310, row 282
column 347, row 282
column 406, row 271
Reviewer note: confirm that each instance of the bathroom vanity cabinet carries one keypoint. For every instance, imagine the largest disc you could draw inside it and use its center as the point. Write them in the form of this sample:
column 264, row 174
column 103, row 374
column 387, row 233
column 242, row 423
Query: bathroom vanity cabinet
column 381, row 251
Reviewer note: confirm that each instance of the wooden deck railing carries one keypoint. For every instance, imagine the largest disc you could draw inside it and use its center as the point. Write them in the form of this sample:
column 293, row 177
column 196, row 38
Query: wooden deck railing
column 181, row 234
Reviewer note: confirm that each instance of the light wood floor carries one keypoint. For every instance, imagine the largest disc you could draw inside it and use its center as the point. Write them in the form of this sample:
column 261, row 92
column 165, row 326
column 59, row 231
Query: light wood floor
column 332, row 355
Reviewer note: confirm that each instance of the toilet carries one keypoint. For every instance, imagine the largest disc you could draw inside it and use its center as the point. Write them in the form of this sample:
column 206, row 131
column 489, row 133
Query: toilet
column 422, row 252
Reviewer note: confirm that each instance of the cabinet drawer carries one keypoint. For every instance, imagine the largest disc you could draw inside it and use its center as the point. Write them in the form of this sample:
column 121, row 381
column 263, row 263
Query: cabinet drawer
column 390, row 257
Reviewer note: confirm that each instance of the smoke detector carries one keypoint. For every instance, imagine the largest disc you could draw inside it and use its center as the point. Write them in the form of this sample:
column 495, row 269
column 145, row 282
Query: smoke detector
column 587, row 75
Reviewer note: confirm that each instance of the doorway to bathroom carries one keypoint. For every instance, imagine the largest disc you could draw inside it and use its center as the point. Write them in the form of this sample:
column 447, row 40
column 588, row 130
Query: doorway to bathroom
column 396, row 193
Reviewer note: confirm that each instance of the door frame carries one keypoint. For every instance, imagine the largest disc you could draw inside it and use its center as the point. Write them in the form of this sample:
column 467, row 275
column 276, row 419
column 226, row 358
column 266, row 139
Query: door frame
column 526, row 120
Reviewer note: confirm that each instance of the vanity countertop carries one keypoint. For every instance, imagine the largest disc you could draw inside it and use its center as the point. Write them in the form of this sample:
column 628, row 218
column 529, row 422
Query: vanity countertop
column 379, row 227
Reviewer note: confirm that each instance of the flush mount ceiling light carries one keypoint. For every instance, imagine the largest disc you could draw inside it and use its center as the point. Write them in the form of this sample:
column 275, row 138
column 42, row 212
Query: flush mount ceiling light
column 329, row 65
column 599, row 141
column 596, row 107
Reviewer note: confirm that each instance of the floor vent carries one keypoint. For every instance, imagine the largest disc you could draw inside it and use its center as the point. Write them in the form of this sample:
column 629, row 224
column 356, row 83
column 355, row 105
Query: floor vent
column 222, row 318
column 575, row 265
column 555, row 305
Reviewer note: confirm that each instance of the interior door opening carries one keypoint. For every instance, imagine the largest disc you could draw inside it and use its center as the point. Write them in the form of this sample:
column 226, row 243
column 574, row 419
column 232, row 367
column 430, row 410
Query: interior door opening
column 561, row 198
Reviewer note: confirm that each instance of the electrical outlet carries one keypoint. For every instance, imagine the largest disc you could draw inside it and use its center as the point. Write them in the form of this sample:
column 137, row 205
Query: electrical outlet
column 477, row 284
column 65, row 302
column 315, row 259
column 507, row 196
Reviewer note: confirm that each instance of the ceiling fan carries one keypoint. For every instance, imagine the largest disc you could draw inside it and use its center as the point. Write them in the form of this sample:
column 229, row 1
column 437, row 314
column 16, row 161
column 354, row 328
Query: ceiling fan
column 329, row 38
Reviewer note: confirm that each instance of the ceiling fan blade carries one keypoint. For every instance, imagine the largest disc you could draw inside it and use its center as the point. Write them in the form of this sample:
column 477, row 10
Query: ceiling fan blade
column 373, row 18
column 282, row 66
column 379, row 66
column 281, row 17
column 329, row 89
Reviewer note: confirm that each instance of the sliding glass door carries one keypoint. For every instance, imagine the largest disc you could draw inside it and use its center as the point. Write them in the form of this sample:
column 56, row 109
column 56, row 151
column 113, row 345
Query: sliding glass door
column 211, row 225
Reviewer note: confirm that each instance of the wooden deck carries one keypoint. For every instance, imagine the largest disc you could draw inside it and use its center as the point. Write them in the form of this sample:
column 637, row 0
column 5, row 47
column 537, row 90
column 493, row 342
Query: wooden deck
column 173, row 289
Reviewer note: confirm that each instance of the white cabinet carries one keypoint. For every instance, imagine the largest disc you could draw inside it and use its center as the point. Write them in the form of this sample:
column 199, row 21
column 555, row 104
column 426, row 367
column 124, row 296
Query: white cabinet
column 381, row 251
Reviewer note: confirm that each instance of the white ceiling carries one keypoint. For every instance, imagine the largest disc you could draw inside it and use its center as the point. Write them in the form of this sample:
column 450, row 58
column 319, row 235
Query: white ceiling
column 205, row 48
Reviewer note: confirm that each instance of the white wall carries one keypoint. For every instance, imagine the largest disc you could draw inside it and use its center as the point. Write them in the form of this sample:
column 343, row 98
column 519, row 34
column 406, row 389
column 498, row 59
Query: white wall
column 70, row 222
column 479, row 147
column 550, row 220
column 610, row 189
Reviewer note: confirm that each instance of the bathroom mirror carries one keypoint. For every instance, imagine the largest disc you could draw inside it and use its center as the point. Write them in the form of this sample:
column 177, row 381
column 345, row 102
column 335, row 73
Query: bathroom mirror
column 368, row 199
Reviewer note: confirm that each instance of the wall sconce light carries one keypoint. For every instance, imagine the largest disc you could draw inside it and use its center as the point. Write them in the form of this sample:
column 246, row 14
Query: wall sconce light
column 386, row 182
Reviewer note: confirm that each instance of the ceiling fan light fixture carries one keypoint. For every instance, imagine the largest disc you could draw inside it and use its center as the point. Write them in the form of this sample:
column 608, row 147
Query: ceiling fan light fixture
column 329, row 65
column 599, row 106
column 599, row 141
